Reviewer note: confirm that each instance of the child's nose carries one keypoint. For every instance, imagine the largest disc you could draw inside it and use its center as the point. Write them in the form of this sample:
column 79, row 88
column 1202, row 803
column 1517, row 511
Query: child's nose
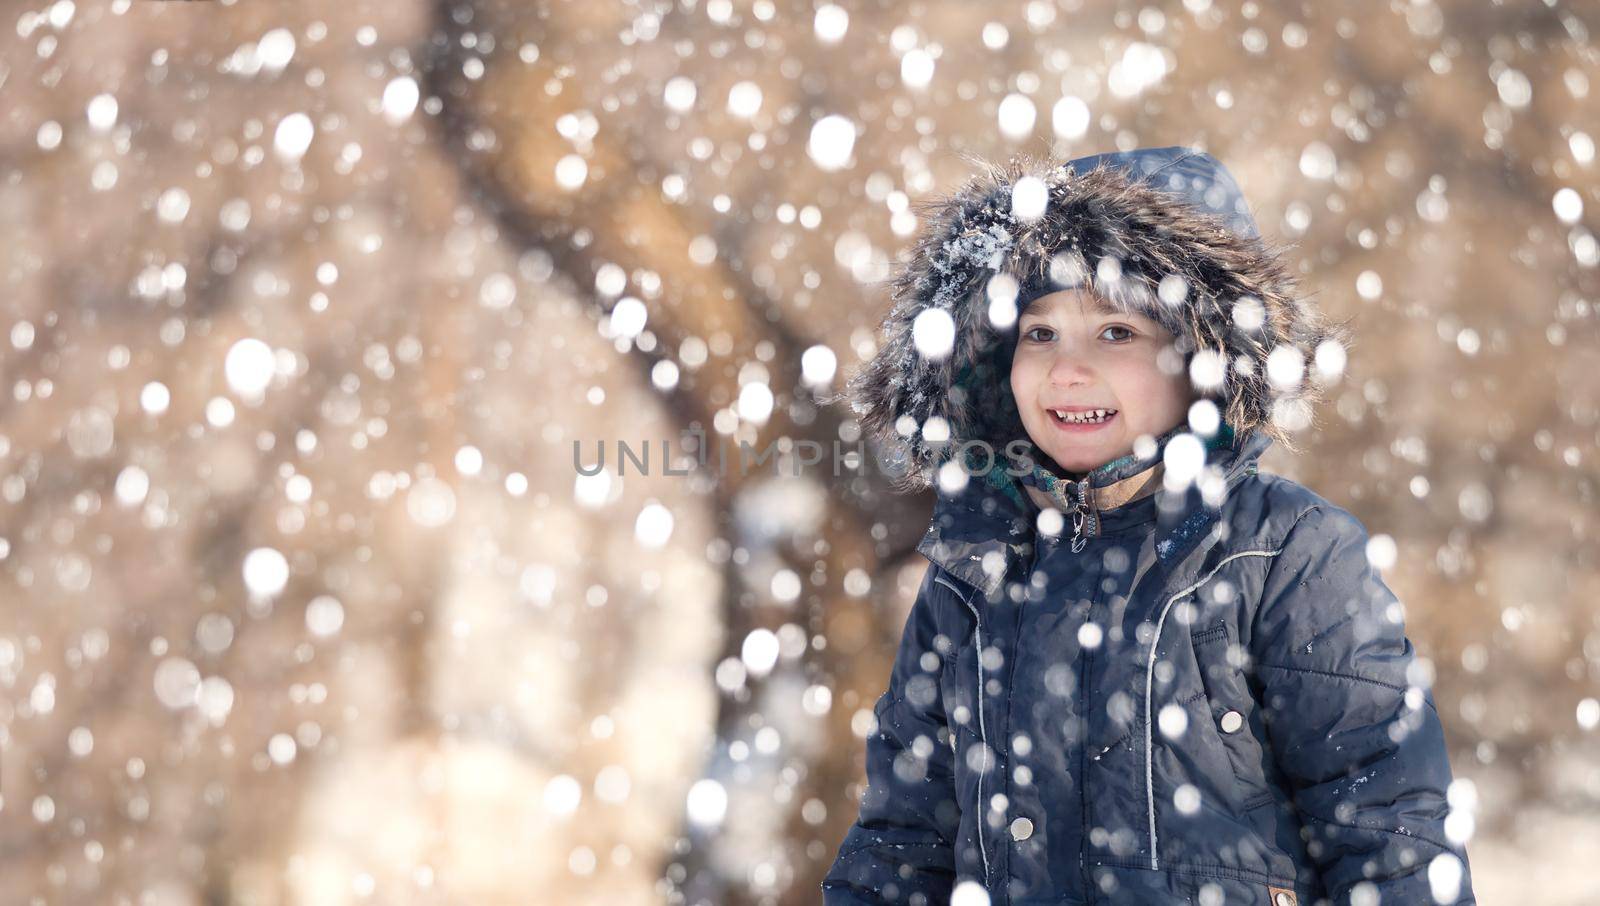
column 1070, row 369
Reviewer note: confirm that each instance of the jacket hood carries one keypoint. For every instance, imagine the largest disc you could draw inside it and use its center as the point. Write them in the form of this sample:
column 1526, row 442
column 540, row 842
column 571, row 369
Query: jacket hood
column 1164, row 232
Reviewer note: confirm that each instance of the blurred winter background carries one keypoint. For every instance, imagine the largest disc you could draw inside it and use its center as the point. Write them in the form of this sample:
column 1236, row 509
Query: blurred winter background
column 306, row 304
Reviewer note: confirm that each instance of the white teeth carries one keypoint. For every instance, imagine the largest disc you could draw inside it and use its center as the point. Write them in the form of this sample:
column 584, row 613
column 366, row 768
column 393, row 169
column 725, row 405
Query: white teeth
column 1089, row 416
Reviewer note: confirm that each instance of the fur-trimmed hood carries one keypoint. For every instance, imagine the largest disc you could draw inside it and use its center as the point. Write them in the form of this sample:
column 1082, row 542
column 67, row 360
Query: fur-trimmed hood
column 1164, row 232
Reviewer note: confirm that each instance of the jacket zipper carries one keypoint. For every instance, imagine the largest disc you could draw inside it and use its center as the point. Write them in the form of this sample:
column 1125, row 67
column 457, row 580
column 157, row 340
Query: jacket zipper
column 1084, row 661
column 1079, row 502
column 1081, row 506
column 1083, row 768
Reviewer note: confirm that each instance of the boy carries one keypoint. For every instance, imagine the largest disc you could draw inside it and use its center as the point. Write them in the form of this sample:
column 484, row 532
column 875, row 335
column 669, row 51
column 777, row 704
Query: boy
column 1137, row 671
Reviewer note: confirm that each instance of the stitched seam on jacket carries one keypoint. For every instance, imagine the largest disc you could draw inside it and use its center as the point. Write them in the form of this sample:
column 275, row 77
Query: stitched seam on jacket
column 944, row 659
column 879, row 712
column 1203, row 869
column 1120, row 740
column 1149, row 687
column 1129, row 735
column 1282, row 546
column 890, row 706
column 1176, row 160
column 1259, row 800
column 983, row 733
column 856, row 850
column 1356, row 827
column 1349, row 676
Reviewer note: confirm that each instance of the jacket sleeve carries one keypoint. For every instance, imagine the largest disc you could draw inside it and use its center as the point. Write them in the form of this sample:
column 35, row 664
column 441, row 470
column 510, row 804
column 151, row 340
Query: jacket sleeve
column 901, row 842
column 1350, row 719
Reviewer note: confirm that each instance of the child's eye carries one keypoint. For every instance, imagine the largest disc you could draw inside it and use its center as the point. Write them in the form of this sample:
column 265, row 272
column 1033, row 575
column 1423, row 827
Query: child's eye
column 1127, row 330
column 1038, row 334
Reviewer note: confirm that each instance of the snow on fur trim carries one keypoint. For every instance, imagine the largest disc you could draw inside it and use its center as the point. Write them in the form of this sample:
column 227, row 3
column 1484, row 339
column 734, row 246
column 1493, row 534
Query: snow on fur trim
column 1119, row 233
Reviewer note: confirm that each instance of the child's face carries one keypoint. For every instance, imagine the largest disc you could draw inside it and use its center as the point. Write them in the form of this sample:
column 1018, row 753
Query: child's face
column 1075, row 353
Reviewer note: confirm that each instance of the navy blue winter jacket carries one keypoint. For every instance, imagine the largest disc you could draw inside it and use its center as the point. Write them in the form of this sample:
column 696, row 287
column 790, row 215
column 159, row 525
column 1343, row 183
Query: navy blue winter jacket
column 1200, row 706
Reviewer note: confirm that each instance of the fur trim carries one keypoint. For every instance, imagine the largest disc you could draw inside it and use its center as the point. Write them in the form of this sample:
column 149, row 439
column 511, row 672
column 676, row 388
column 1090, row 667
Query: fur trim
column 1113, row 231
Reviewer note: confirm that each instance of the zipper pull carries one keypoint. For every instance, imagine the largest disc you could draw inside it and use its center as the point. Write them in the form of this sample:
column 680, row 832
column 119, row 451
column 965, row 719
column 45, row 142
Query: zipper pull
column 1085, row 513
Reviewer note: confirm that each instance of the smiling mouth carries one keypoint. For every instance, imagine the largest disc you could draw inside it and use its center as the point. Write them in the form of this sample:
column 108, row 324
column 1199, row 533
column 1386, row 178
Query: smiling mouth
column 1086, row 417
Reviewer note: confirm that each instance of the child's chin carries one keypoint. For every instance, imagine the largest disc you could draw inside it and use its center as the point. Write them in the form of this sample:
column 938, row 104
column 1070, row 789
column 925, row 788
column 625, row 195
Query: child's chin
column 1088, row 457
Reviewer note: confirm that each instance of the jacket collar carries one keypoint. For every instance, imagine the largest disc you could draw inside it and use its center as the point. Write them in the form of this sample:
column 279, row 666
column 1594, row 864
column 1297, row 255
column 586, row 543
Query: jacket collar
column 979, row 532
column 1082, row 498
column 1103, row 499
